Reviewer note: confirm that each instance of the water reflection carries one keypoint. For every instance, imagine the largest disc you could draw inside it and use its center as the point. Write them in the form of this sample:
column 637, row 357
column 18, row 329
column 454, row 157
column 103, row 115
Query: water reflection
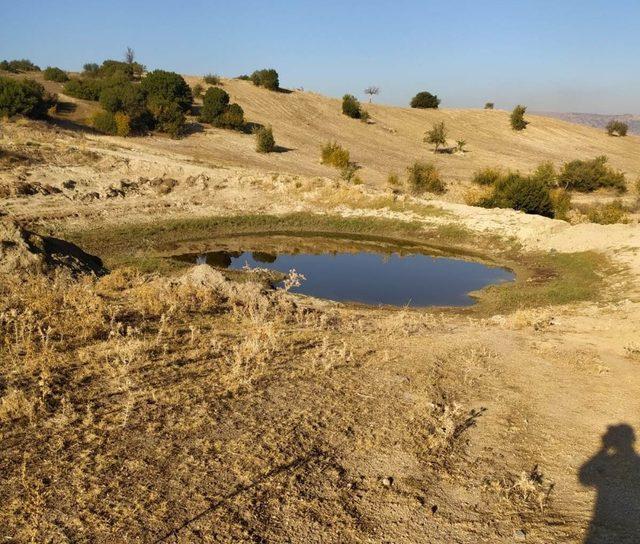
column 368, row 276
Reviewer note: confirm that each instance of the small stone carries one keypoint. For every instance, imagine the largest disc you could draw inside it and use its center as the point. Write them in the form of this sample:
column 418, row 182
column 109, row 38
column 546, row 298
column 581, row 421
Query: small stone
column 388, row 481
column 519, row 535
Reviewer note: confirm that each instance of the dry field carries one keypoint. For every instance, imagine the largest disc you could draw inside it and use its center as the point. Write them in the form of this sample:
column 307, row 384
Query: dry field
column 155, row 404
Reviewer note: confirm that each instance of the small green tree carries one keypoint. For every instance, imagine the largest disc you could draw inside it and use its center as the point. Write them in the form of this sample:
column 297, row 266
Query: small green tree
column 197, row 90
column 23, row 97
column 517, row 118
column 211, row 79
column 437, row 135
column 351, row 106
column 617, row 128
column 214, row 104
column 51, row 73
column 168, row 115
column 267, row 78
column 265, row 142
column 489, row 106
column 170, row 86
column 105, row 122
column 425, row 100
column 233, row 117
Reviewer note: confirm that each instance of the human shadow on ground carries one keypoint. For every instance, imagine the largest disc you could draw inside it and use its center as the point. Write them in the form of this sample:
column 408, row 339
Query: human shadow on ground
column 614, row 472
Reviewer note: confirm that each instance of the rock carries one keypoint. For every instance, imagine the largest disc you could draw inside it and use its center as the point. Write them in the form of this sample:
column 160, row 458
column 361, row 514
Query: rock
column 25, row 251
column 163, row 186
column 388, row 481
column 519, row 535
column 69, row 184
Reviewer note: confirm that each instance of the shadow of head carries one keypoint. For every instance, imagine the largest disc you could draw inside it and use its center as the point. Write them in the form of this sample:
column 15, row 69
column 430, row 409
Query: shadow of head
column 619, row 438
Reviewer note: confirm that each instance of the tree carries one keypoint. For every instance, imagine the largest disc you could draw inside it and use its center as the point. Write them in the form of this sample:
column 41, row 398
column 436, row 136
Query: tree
column 425, row 100
column 52, row 73
column 129, row 55
column 23, row 97
column 517, row 118
column 214, row 104
column 351, row 106
column 197, row 90
column 424, row 178
column 169, row 86
column 437, row 135
column 372, row 91
column 489, row 106
column 267, row 78
column 618, row 128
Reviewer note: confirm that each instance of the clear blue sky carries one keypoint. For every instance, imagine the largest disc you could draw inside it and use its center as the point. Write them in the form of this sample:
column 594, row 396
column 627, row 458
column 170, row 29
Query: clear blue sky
column 563, row 55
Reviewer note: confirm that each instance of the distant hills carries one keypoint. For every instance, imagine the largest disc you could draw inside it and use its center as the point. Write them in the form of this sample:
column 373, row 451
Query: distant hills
column 596, row 120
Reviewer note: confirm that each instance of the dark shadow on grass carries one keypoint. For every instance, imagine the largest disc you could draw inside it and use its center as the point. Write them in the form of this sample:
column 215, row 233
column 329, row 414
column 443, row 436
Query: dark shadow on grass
column 66, row 107
column 74, row 126
column 192, row 128
column 250, row 127
column 282, row 149
column 284, row 91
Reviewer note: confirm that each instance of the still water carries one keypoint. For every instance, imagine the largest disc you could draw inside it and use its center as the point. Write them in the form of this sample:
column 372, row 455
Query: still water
column 370, row 277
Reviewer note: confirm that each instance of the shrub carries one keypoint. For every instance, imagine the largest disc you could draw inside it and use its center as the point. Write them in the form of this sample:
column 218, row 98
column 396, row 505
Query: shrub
column 267, row 78
column 334, row 154
column 109, row 68
column 561, row 203
column 123, row 124
column 436, row 136
column 393, row 180
column 546, row 173
column 26, row 97
column 52, row 73
column 351, row 106
column 589, row 175
column 214, row 104
column 197, row 90
column 211, row 79
column 425, row 100
column 265, row 143
column 489, row 106
column 608, row 214
column 104, row 121
column 517, row 118
column 233, row 117
column 617, row 128
column 487, row 176
column 161, row 85
column 168, row 115
column 461, row 144
column 21, row 65
column 424, row 178
column 90, row 69
column 85, row 89
column 244, row 77
column 520, row 193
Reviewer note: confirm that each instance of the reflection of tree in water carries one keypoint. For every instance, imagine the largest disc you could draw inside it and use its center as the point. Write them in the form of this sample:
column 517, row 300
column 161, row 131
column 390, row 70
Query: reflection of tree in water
column 262, row 257
column 222, row 259
column 615, row 473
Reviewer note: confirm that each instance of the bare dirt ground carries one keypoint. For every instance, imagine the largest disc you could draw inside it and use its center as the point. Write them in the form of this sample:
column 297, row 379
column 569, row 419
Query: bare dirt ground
column 144, row 408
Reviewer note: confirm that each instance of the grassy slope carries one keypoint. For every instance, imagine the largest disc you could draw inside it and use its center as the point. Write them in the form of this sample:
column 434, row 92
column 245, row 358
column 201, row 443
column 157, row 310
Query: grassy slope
column 303, row 121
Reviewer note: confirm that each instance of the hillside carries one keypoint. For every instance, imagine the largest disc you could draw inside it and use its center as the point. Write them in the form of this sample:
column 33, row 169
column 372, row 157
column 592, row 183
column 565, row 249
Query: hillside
column 303, row 121
column 596, row 120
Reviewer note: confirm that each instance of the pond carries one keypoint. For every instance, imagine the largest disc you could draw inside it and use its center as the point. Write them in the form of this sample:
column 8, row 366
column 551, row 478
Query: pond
column 365, row 273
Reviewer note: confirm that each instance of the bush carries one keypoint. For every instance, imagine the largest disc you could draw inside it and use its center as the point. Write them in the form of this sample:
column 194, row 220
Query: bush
column 160, row 86
column 424, row 178
column 588, row 175
column 26, row 97
column 334, row 154
column 90, row 69
column 520, row 193
column 214, row 104
column 546, row 173
column 517, row 118
column 265, row 143
column 105, row 122
column 487, row 176
column 393, row 180
column 21, row 65
column 244, row 77
column 267, row 78
column 123, row 124
column 617, row 128
column 197, row 90
column 489, row 106
column 351, row 106
column 211, row 79
column 425, row 100
column 85, row 89
column 608, row 214
column 436, row 136
column 110, row 68
column 561, row 202
column 233, row 117
column 168, row 115
column 52, row 73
